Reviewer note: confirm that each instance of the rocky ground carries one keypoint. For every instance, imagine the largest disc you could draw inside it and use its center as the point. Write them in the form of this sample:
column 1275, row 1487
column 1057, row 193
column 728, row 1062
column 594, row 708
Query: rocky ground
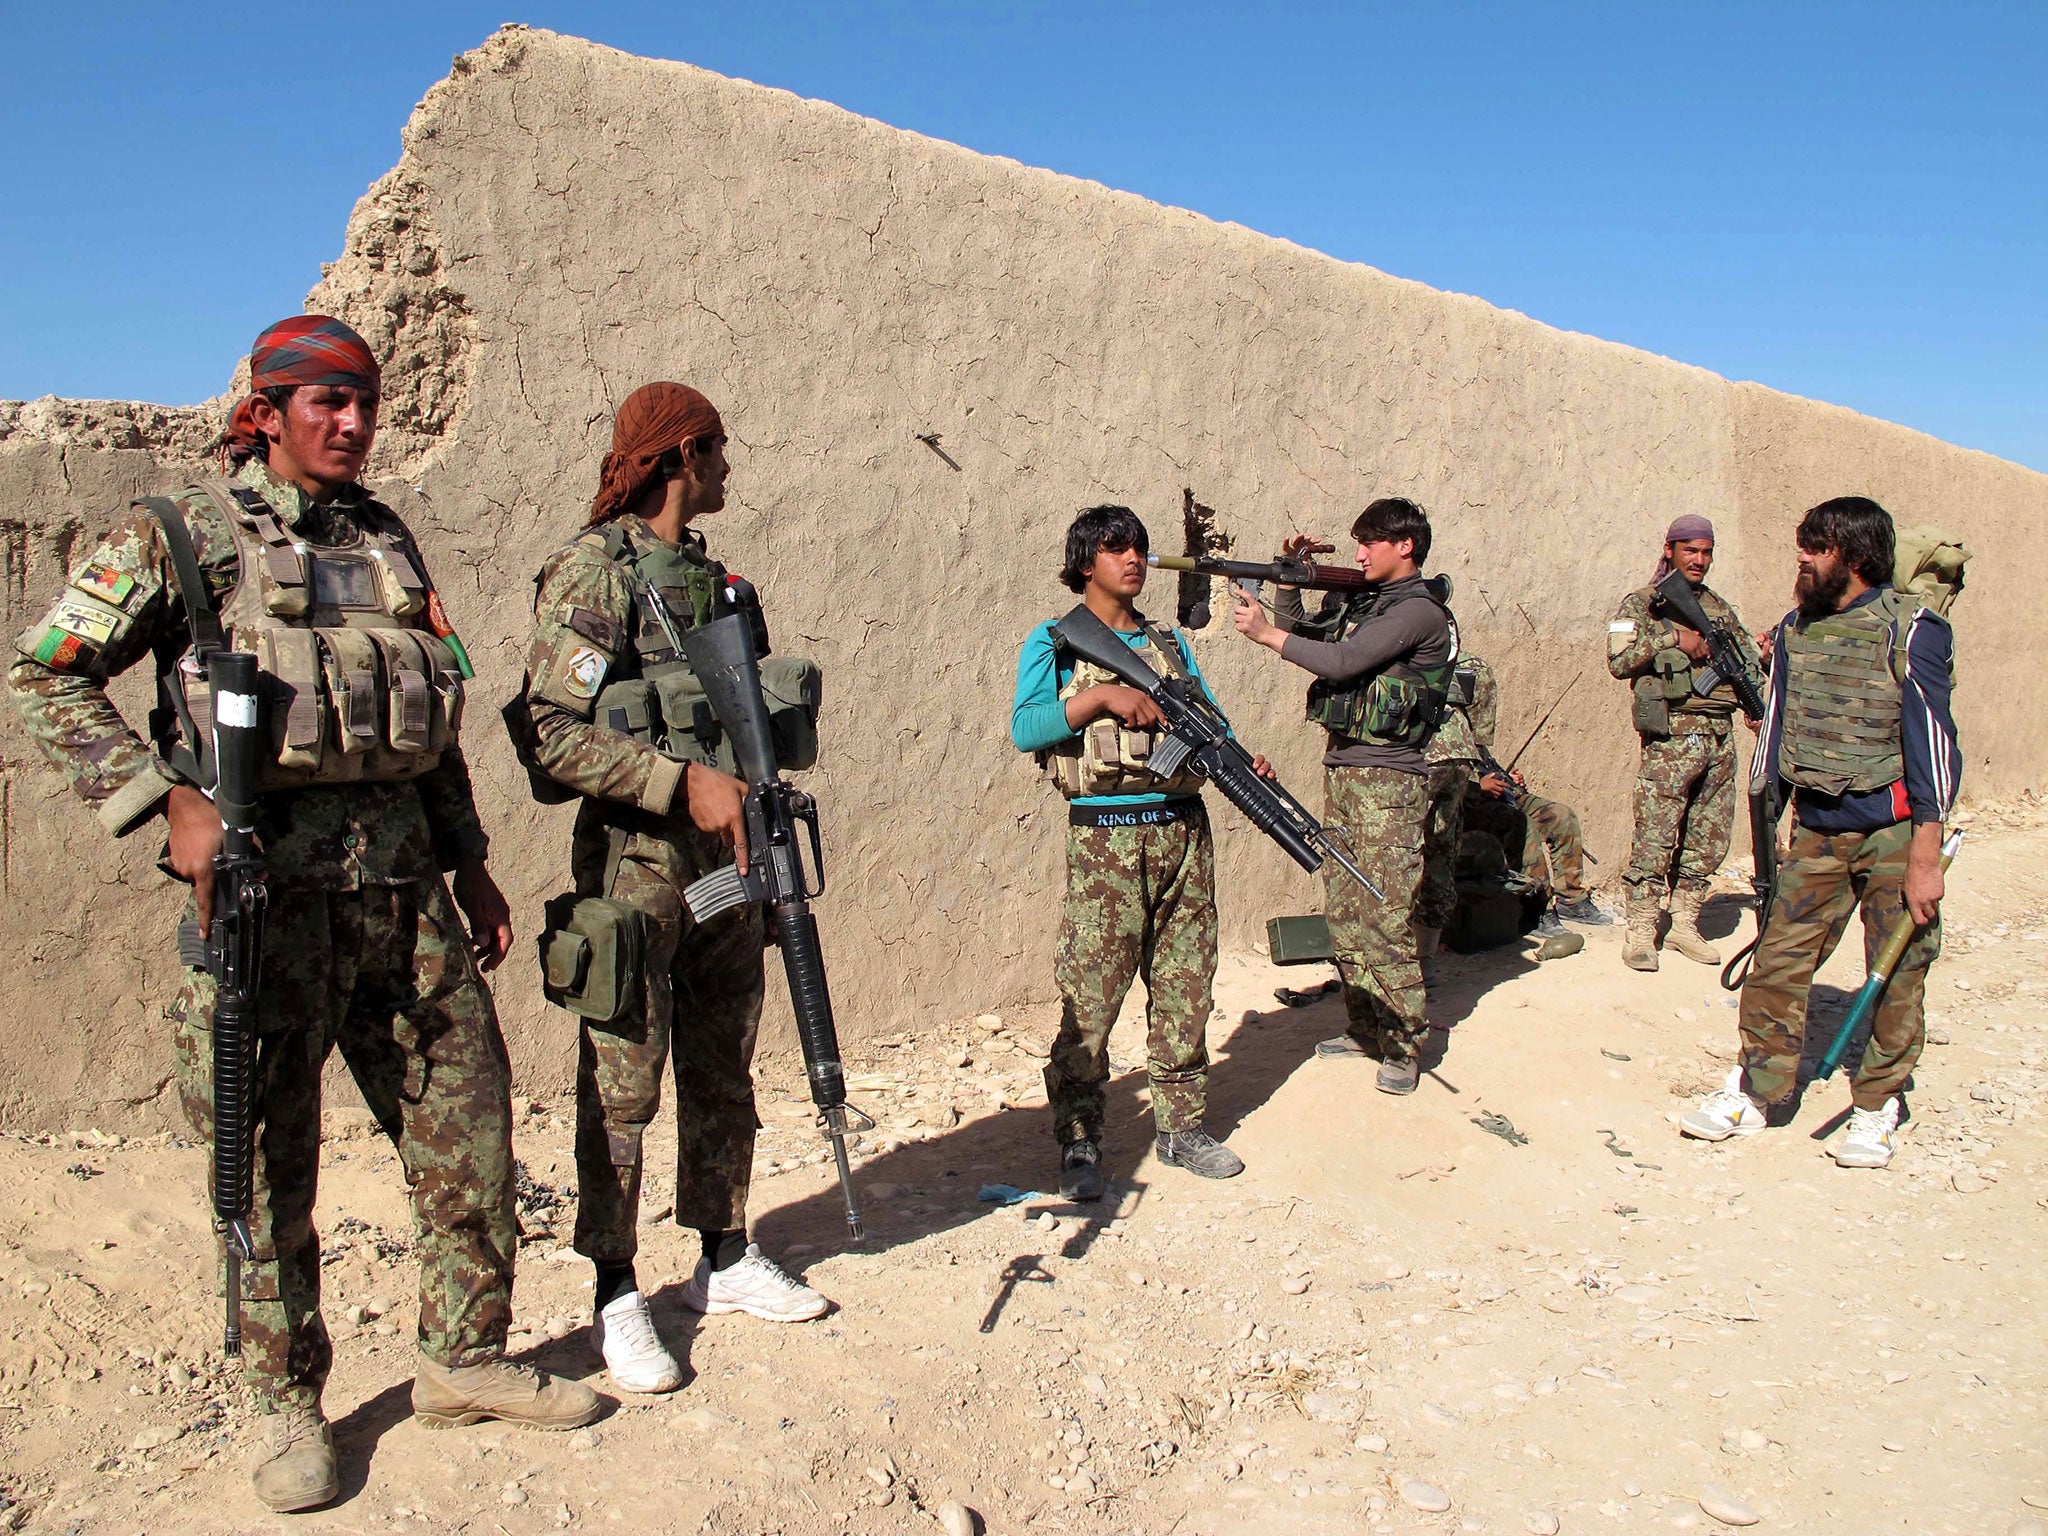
column 1514, row 1302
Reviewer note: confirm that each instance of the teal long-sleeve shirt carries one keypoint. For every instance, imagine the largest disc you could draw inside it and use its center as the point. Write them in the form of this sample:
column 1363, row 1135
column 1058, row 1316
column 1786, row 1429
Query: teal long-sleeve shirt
column 1038, row 718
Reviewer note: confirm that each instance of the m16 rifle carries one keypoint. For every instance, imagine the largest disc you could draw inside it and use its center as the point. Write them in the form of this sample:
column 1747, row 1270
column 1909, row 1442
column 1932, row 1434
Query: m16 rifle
column 1198, row 737
column 232, row 952
column 726, row 656
column 1730, row 656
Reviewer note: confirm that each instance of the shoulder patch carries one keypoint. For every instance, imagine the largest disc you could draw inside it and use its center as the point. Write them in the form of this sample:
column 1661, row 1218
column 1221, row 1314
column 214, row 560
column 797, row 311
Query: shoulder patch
column 105, row 583
column 600, row 630
column 88, row 621
column 583, row 673
column 60, row 651
column 1622, row 627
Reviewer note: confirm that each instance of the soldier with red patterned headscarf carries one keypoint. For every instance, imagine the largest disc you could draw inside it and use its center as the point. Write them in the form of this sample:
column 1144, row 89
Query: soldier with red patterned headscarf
column 364, row 802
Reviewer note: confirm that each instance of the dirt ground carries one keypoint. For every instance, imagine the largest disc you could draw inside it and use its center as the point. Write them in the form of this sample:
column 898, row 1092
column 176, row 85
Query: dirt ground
column 1587, row 1330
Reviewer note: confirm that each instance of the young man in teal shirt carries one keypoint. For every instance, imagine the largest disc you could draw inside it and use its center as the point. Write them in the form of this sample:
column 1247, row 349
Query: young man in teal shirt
column 1141, row 870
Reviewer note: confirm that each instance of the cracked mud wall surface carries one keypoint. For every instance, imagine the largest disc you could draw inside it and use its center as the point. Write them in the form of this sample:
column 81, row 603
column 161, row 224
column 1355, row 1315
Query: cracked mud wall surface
column 568, row 222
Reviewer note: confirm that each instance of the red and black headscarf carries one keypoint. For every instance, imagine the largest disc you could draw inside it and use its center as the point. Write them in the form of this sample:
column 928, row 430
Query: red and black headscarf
column 304, row 349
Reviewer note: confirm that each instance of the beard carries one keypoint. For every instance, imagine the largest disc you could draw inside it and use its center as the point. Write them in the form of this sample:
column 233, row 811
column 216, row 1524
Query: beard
column 1819, row 595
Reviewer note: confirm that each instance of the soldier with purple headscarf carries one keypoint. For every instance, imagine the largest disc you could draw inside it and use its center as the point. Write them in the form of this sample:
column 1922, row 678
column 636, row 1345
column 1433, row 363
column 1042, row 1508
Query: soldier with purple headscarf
column 1685, row 786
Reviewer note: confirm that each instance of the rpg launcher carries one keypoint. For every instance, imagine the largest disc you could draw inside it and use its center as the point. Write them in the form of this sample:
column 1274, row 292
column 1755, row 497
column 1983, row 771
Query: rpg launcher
column 1198, row 737
column 1294, row 572
column 1729, row 655
column 232, row 953
column 726, row 656
column 1888, row 957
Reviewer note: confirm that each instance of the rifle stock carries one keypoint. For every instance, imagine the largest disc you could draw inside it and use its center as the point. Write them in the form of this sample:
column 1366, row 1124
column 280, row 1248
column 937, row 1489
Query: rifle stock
column 1197, row 736
column 727, row 662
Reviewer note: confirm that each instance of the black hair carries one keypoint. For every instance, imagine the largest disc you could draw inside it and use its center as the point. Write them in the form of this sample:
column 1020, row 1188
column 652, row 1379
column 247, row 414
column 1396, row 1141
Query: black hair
column 1857, row 529
column 1394, row 517
column 1113, row 528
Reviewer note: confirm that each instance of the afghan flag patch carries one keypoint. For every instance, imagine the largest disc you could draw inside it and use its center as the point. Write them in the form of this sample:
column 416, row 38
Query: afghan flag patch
column 58, row 650
column 105, row 583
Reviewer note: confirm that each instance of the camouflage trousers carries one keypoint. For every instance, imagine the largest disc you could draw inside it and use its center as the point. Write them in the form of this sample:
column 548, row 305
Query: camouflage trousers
column 1382, row 810
column 1557, row 839
column 1141, row 901
column 698, row 1013
column 1821, row 880
column 385, row 974
column 1685, row 808
column 1436, row 903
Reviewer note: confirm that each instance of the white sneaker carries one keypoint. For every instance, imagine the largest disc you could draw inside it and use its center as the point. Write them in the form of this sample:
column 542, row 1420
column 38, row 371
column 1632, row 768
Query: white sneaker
column 624, row 1334
column 755, row 1284
column 1869, row 1143
column 1727, row 1111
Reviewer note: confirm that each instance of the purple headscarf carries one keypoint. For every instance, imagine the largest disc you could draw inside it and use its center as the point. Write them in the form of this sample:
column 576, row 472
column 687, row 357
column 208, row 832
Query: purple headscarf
column 1689, row 525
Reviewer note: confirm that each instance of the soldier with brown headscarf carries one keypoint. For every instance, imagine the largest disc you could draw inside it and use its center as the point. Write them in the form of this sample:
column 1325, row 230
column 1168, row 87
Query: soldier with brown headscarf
column 618, row 720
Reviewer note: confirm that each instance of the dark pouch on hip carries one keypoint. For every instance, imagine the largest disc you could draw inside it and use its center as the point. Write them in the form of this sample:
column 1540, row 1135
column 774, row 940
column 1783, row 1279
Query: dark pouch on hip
column 591, row 955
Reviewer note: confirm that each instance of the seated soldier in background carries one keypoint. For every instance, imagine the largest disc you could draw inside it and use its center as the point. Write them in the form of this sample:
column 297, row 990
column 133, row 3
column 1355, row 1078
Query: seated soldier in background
column 1498, row 802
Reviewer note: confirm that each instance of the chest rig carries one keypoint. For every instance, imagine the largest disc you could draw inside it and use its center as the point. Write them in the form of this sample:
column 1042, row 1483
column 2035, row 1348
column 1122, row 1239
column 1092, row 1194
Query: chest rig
column 1400, row 705
column 655, row 697
column 1843, row 695
column 1109, row 757
column 355, row 687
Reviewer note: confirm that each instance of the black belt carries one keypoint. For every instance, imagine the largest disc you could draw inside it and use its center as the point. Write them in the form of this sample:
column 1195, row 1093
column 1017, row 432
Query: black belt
column 1189, row 809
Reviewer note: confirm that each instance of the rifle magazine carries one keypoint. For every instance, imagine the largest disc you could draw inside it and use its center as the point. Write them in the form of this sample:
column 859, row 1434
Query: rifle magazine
column 720, row 891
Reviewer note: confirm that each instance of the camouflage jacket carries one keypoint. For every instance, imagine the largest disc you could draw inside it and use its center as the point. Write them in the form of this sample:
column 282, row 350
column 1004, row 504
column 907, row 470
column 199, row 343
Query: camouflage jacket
column 1643, row 639
column 332, row 838
column 584, row 622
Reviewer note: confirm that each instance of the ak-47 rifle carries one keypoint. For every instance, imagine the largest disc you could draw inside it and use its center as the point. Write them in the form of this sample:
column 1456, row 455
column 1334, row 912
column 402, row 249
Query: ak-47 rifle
column 233, row 952
column 1514, row 794
column 726, row 657
column 1198, row 737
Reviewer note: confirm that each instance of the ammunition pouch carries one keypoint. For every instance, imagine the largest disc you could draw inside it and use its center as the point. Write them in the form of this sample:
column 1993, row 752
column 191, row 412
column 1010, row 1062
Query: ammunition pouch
column 1652, row 709
column 592, row 952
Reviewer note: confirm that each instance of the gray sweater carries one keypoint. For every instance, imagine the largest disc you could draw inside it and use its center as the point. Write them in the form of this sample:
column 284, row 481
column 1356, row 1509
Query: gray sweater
column 1414, row 632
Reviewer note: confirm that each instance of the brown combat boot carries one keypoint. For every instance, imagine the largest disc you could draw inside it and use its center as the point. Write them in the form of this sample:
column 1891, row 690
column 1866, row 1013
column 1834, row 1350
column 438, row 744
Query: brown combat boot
column 444, row 1395
column 1685, row 935
column 1639, row 942
column 292, row 1467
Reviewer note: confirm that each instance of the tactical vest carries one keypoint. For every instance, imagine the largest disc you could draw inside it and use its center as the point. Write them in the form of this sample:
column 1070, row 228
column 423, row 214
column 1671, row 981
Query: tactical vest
column 1400, row 705
column 654, row 696
column 355, row 686
column 1460, row 737
column 1109, row 757
column 1843, row 696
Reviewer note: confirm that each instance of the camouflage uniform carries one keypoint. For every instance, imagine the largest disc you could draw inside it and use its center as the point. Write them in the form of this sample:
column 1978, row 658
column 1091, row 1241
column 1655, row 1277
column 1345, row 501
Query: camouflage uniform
column 364, row 951
column 1436, row 899
column 699, row 1005
column 1557, row 835
column 1381, row 810
column 1453, row 758
column 1685, row 785
column 1141, row 900
column 1821, row 880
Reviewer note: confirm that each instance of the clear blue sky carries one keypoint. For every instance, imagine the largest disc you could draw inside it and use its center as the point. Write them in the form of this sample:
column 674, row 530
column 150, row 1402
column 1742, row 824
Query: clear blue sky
column 1844, row 201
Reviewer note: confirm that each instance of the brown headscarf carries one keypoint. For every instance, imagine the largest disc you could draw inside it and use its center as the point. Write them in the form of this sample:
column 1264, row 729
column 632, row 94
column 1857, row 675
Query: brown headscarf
column 651, row 420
